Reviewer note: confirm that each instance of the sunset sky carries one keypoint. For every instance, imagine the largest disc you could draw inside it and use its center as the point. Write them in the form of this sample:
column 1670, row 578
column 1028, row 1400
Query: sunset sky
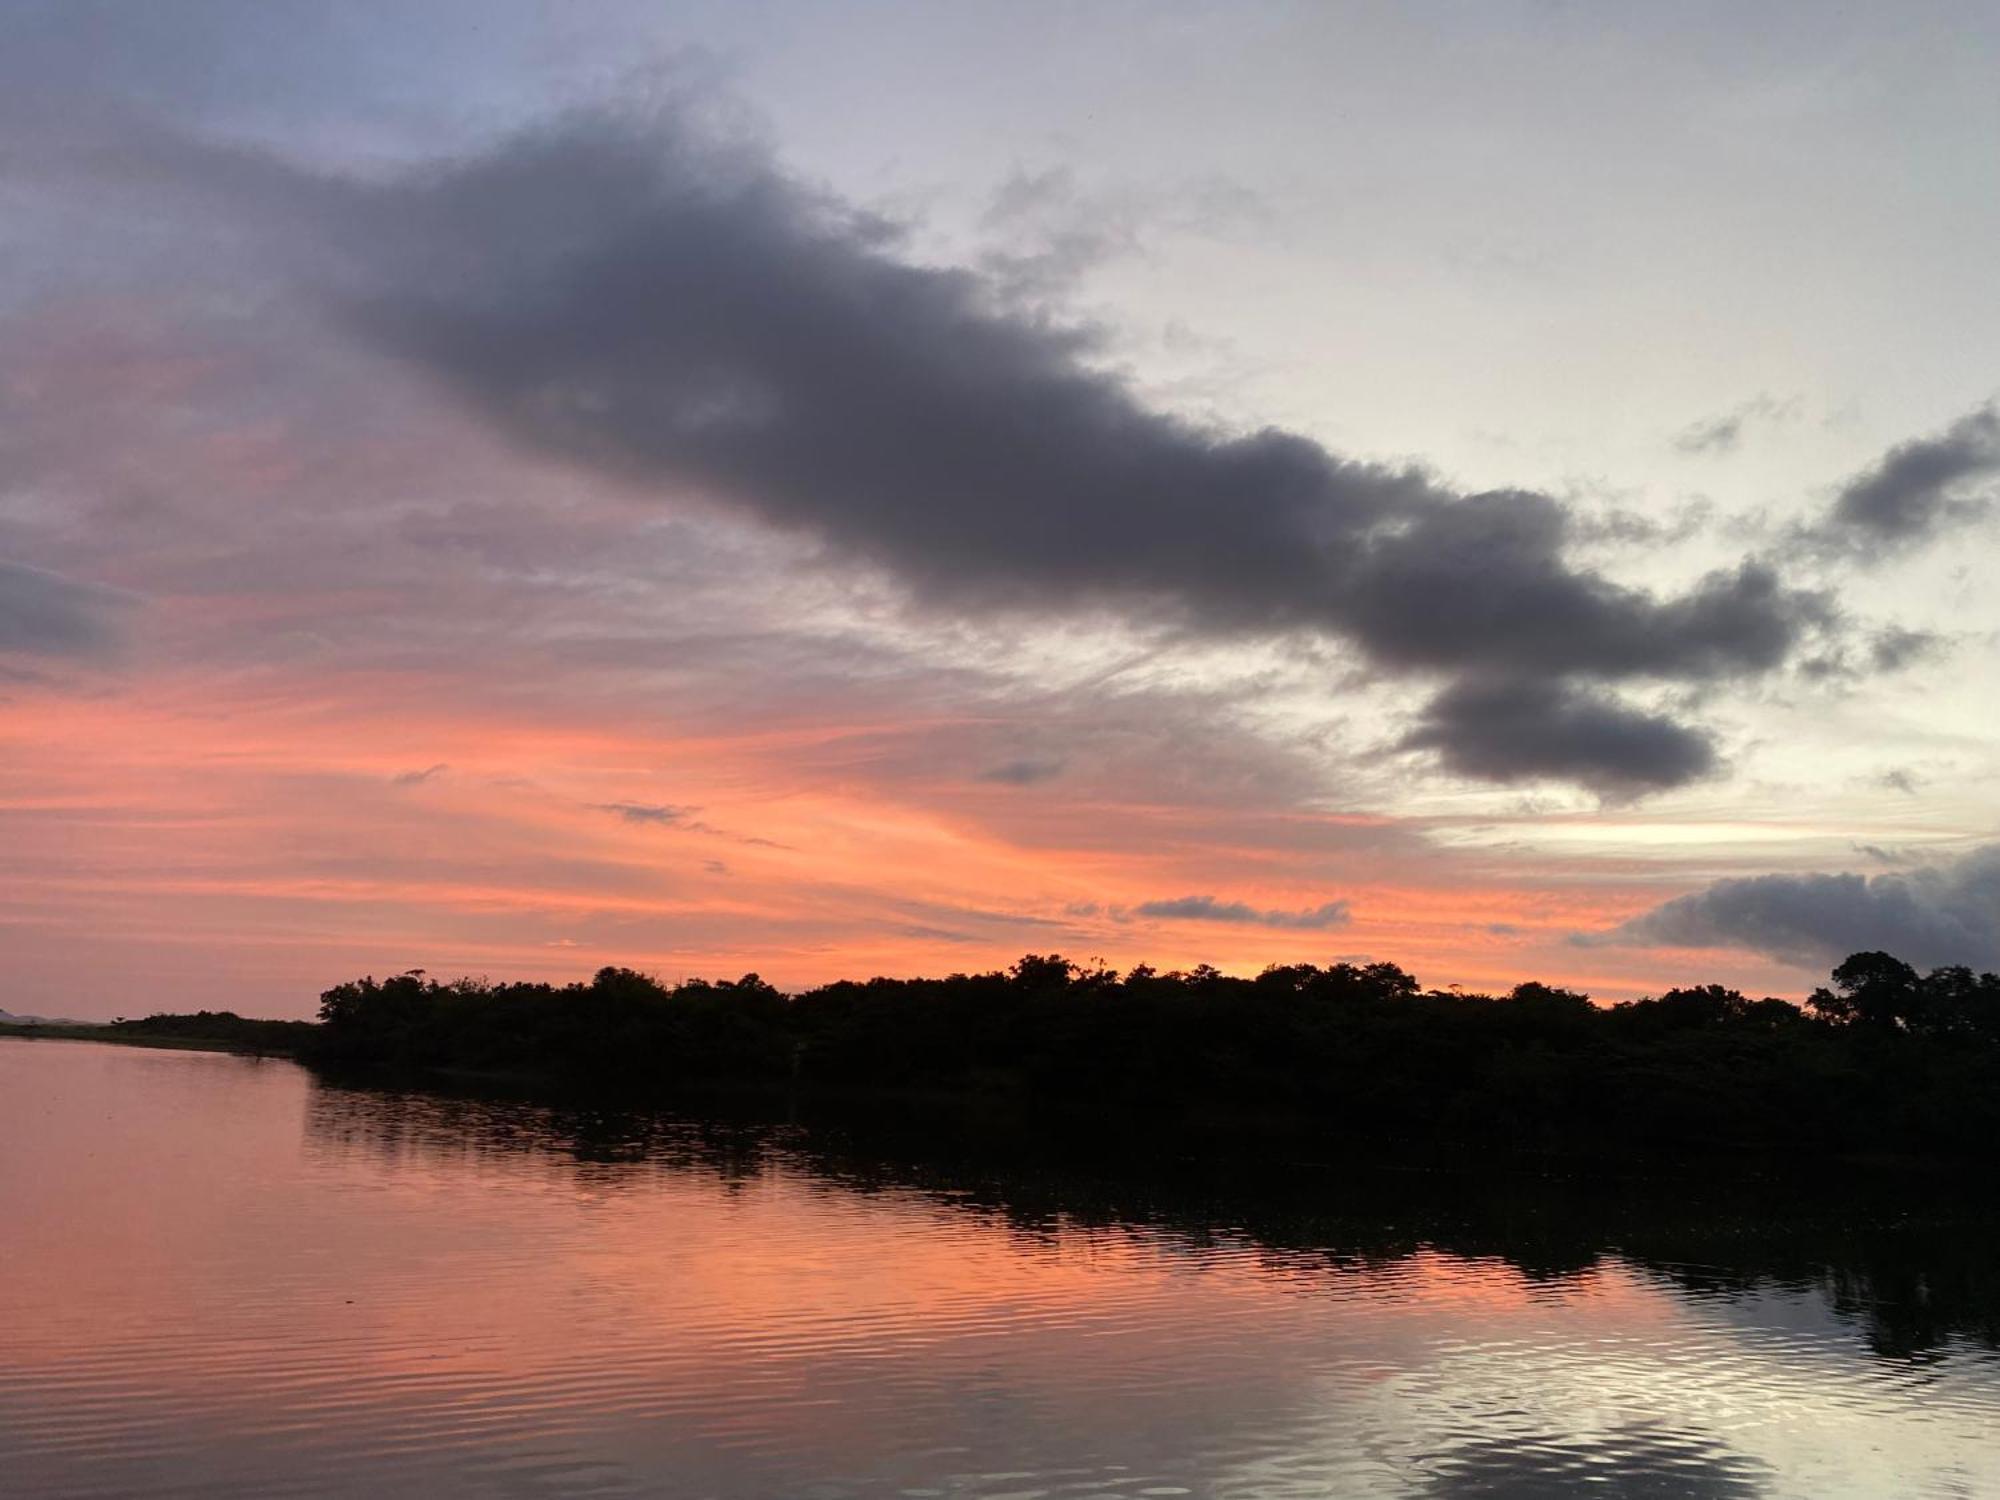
column 844, row 489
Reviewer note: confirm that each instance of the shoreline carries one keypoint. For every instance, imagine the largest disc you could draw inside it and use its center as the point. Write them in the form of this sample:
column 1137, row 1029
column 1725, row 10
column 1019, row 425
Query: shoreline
column 1003, row 1124
column 105, row 1032
column 1006, row 1133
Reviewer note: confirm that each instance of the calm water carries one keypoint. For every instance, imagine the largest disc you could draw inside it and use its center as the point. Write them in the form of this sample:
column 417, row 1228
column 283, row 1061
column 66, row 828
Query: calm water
column 220, row 1277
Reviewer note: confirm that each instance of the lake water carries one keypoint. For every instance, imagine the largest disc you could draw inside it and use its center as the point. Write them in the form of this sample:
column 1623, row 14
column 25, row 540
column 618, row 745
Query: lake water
column 219, row 1276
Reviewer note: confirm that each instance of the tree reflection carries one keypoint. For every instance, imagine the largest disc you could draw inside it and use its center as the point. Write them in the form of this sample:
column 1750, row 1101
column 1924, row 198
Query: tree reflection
column 1909, row 1267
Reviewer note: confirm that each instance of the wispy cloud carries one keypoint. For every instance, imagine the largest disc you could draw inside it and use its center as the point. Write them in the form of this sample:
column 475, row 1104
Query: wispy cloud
column 1208, row 909
column 644, row 812
column 1025, row 772
column 1724, row 433
column 46, row 614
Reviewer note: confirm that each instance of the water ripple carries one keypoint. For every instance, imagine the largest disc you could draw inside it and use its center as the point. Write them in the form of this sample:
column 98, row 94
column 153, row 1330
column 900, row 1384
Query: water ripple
column 221, row 1280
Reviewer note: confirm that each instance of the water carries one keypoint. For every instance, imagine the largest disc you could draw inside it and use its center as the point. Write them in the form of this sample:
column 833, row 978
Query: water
column 220, row 1277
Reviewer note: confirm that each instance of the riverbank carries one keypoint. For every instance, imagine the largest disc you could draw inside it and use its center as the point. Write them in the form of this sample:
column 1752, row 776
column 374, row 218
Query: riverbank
column 1297, row 1061
column 1296, row 1064
column 1002, row 1133
column 131, row 1035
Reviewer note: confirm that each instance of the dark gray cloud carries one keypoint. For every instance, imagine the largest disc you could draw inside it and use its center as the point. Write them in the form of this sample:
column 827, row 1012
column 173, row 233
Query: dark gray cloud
column 1918, row 487
column 679, row 313
column 1208, row 909
column 702, row 322
column 1892, row 648
column 1943, row 913
column 45, row 614
column 1716, row 435
column 1521, row 730
column 642, row 812
column 418, row 778
column 1895, row 647
column 1482, row 584
column 1024, row 772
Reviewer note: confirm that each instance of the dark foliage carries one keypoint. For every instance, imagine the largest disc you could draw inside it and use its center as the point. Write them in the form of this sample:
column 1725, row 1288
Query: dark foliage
column 623, row 1029
column 243, row 1032
column 1886, row 1061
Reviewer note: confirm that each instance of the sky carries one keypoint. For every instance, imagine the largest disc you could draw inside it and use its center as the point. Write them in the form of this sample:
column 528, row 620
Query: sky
column 1506, row 489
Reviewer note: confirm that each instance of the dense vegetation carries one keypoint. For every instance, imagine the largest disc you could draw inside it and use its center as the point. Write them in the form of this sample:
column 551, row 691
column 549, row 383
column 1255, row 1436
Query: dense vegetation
column 1885, row 1060
column 205, row 1030
column 242, row 1033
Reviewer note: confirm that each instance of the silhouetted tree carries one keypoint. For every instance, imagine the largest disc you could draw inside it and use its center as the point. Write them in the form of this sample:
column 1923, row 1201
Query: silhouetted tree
column 1873, row 990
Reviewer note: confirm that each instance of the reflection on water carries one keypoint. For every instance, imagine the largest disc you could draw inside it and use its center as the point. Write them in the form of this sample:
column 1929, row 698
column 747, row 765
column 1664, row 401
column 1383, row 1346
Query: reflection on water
column 219, row 1277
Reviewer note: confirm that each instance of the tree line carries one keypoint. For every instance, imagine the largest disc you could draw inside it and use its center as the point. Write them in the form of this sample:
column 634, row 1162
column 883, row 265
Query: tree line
column 1883, row 1059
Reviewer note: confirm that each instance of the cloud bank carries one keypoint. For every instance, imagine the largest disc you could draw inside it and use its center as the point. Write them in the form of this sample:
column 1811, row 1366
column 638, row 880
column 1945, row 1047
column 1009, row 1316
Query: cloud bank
column 1947, row 913
column 677, row 312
